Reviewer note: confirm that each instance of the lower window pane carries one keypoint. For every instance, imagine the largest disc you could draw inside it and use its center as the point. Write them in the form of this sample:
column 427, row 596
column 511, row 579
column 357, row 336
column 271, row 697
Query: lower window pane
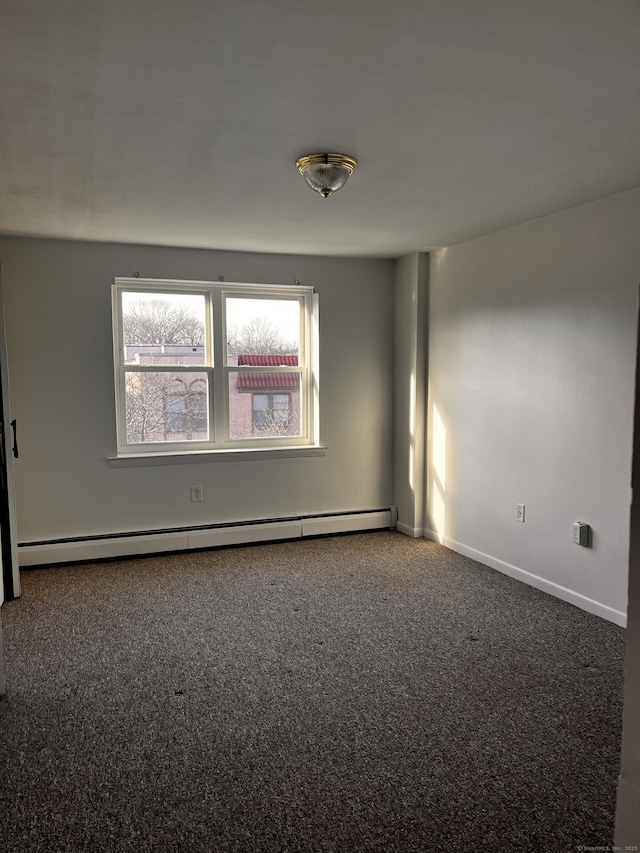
column 264, row 405
column 166, row 407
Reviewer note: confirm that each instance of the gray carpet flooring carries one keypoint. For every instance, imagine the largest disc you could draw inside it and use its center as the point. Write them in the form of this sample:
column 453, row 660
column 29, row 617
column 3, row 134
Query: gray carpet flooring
column 361, row 693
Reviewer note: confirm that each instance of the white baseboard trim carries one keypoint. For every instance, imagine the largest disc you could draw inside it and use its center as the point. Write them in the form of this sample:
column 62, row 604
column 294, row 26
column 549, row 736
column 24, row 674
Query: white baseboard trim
column 414, row 532
column 186, row 539
column 616, row 616
column 435, row 537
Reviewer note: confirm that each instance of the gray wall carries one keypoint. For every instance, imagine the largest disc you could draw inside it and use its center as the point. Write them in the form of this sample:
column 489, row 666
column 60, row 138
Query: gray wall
column 410, row 382
column 531, row 371
column 58, row 314
column 628, row 811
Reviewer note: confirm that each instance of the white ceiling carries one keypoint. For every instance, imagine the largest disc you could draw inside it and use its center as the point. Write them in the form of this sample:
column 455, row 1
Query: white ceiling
column 178, row 122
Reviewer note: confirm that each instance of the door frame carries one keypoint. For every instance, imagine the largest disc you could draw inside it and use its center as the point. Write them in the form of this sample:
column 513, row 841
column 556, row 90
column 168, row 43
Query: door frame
column 8, row 449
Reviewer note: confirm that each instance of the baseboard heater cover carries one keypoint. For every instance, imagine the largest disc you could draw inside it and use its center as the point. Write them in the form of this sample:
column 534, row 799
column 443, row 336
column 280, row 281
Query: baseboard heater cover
column 131, row 544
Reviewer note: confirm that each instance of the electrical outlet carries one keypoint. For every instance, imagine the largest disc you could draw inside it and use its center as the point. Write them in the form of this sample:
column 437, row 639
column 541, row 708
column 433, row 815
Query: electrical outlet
column 581, row 534
column 520, row 512
column 196, row 494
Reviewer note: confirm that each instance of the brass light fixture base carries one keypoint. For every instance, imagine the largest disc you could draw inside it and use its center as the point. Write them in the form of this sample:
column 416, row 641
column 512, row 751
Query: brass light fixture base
column 326, row 173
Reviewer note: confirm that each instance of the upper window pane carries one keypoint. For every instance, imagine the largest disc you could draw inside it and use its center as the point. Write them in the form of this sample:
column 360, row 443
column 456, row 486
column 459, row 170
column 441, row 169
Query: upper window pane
column 163, row 328
column 262, row 327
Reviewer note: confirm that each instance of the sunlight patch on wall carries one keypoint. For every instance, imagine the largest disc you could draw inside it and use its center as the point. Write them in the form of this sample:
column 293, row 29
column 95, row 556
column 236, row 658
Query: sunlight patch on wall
column 438, row 510
column 439, row 447
column 412, row 405
column 412, row 427
column 439, row 256
column 438, row 481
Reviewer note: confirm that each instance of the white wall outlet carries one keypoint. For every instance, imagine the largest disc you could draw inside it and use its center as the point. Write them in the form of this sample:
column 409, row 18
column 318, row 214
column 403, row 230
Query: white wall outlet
column 581, row 534
column 196, row 494
column 520, row 512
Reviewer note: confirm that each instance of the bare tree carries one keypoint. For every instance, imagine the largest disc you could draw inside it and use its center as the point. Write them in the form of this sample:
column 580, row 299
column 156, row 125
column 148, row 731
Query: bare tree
column 163, row 407
column 259, row 336
column 145, row 406
column 275, row 423
column 160, row 321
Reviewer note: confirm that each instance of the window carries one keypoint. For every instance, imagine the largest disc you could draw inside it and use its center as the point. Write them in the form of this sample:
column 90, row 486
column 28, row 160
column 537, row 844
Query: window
column 204, row 366
column 272, row 414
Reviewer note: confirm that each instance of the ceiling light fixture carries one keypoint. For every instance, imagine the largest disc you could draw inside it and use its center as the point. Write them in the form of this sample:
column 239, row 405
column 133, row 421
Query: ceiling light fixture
column 326, row 173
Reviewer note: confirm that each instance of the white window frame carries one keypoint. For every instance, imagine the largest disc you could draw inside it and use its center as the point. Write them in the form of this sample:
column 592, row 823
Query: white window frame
column 216, row 367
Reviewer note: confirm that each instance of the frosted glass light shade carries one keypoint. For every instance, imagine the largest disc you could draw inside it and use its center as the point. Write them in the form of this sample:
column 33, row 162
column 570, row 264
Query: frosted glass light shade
column 326, row 173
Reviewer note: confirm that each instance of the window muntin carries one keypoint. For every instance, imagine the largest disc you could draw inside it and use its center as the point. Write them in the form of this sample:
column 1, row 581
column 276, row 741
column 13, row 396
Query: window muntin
column 169, row 394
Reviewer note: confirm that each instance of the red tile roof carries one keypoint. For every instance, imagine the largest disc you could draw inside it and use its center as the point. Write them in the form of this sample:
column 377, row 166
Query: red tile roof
column 270, row 381
column 259, row 381
column 252, row 360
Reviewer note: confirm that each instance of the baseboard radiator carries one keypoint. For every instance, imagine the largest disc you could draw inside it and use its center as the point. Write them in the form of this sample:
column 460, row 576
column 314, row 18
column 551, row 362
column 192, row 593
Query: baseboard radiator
column 105, row 546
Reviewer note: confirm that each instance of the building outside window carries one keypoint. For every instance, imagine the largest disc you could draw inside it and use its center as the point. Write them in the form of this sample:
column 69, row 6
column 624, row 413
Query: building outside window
column 186, row 412
column 271, row 410
column 275, row 397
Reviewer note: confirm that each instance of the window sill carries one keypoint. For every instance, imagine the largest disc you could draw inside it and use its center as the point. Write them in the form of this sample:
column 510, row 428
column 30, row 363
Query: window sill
column 189, row 457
